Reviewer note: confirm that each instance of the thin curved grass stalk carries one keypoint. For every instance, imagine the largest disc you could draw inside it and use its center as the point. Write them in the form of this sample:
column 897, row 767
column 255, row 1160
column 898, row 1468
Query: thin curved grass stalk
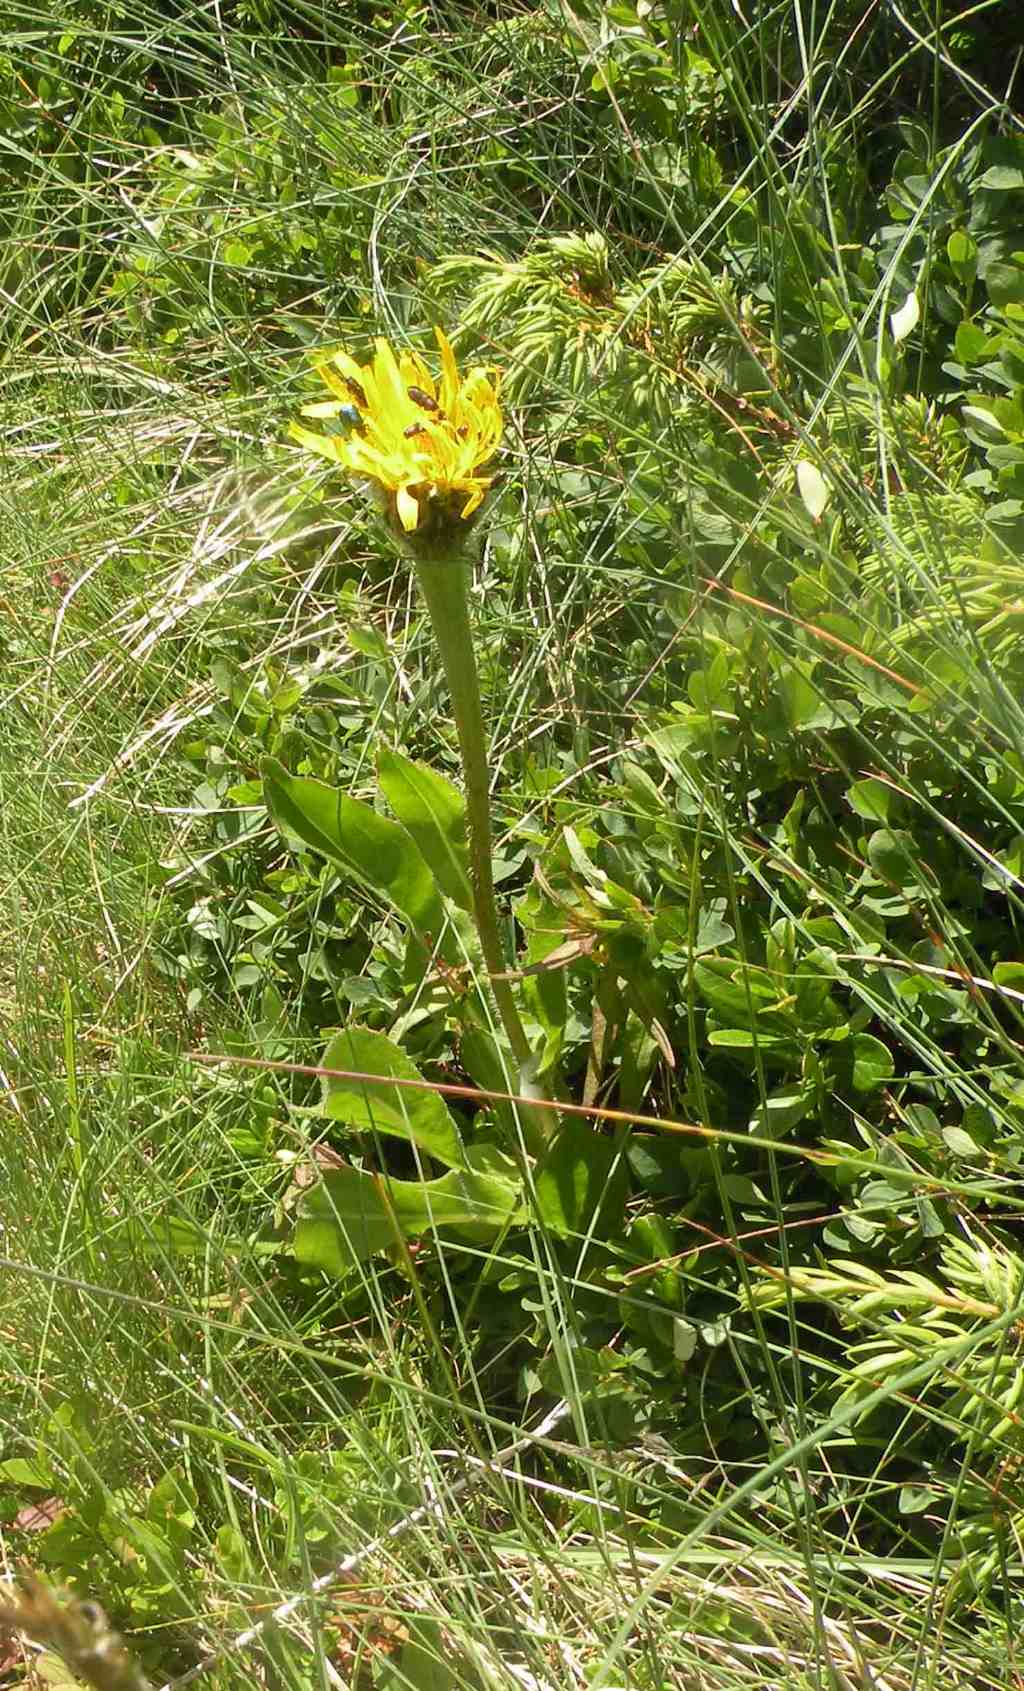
column 432, row 1509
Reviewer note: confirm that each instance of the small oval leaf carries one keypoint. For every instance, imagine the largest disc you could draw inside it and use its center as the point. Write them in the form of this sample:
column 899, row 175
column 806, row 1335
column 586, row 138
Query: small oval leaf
column 814, row 489
column 904, row 321
column 872, row 1062
column 871, row 799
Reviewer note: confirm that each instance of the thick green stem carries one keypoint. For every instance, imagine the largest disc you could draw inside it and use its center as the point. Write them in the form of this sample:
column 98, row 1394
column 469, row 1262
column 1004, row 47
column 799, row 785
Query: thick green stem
column 445, row 589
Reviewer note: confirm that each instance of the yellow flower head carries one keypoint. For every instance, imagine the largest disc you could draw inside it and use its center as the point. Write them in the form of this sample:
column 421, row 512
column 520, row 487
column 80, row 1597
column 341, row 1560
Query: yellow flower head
column 423, row 444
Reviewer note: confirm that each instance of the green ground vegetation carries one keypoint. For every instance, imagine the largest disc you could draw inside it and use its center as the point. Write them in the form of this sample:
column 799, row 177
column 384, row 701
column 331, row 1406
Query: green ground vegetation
column 725, row 1384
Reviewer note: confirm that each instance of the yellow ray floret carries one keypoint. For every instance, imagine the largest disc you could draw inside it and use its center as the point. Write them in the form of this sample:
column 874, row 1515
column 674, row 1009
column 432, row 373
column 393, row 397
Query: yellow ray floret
column 425, row 442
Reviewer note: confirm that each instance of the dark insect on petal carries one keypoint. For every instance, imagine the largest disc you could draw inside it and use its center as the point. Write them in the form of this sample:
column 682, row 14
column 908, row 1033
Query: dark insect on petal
column 422, row 399
column 357, row 391
column 414, row 429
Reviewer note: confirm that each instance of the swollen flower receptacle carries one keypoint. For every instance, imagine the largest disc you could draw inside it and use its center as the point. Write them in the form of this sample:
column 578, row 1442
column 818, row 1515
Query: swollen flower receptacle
column 441, row 531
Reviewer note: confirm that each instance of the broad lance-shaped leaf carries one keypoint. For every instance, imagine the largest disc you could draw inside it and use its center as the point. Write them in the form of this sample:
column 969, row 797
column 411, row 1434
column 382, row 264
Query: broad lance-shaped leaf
column 380, row 852
column 352, row 1214
column 482, row 1057
column 407, row 1112
column 581, row 1184
column 434, row 812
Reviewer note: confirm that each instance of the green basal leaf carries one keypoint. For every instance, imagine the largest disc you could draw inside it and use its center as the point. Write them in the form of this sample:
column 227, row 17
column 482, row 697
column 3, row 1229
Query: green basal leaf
column 406, row 1112
column 433, row 812
column 352, row 1214
column 581, row 1184
column 482, row 1057
column 380, row 852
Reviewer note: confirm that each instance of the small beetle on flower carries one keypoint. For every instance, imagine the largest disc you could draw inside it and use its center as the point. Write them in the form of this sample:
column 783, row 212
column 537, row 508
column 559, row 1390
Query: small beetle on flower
column 423, row 444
